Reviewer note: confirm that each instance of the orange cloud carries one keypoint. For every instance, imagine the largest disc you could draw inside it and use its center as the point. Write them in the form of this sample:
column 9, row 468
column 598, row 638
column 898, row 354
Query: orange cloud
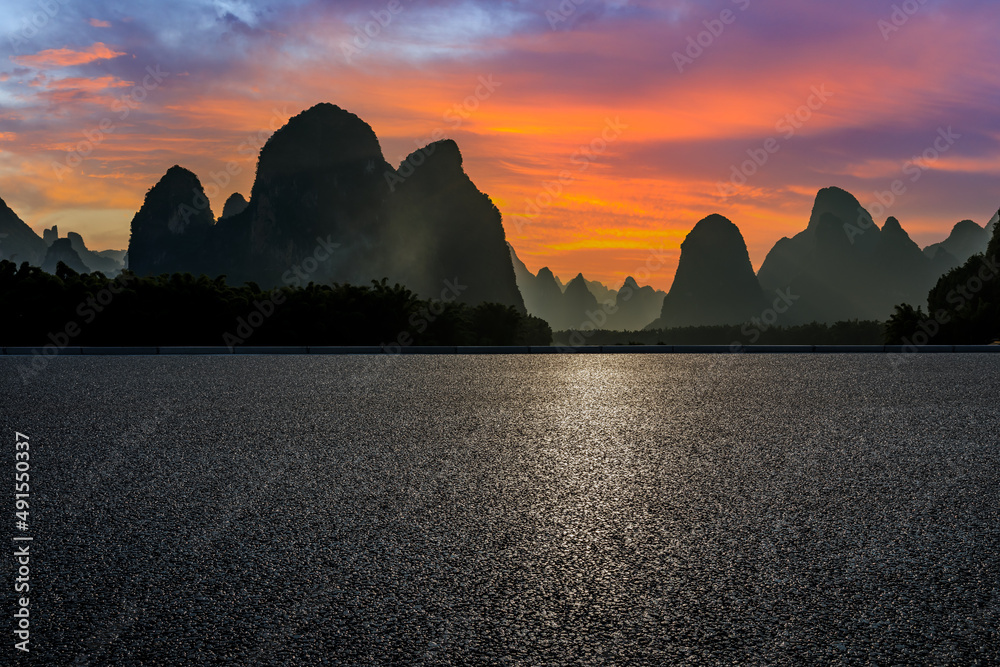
column 78, row 83
column 67, row 57
column 97, row 23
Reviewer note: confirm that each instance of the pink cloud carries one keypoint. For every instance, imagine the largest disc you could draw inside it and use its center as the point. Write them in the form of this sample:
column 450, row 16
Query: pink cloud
column 97, row 23
column 89, row 85
column 67, row 57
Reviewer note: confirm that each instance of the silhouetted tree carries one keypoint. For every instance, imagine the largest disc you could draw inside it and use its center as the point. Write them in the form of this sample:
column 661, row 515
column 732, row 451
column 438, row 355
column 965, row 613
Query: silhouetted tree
column 183, row 309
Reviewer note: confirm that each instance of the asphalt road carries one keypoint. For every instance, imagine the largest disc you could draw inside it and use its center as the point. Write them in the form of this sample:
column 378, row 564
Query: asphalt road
column 509, row 510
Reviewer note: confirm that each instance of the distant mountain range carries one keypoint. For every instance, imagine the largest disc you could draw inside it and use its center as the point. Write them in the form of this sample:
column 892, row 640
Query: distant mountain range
column 326, row 206
column 842, row 267
column 19, row 243
column 583, row 301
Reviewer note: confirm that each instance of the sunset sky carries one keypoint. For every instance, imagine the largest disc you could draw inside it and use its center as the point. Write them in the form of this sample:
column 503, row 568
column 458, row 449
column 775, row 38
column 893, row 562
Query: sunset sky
column 522, row 87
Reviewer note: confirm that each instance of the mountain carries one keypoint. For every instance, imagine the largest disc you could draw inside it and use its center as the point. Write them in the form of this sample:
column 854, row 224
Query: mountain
column 19, row 242
column 117, row 256
column 317, row 206
column 446, row 233
column 628, row 309
column 62, row 250
column 521, row 272
column 235, row 205
column 904, row 268
column 602, row 292
column 715, row 282
column 318, row 190
column 548, row 300
column 542, row 294
column 94, row 261
column 170, row 233
column 966, row 239
column 326, row 207
column 635, row 307
column 843, row 266
column 579, row 307
column 856, row 222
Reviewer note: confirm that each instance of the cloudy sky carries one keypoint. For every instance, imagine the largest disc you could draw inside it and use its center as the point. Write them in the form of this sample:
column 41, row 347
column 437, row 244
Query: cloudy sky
column 602, row 130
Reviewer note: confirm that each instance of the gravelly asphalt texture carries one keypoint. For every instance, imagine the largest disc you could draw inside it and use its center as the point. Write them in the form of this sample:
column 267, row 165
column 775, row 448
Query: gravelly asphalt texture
column 510, row 510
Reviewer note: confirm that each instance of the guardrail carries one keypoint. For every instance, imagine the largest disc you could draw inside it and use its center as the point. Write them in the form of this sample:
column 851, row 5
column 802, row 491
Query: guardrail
column 461, row 349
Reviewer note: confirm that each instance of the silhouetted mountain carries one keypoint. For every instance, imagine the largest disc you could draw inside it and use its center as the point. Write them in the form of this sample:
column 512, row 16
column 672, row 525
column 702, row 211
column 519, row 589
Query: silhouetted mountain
column 19, row 242
column 116, row 256
column 170, row 233
column 541, row 294
column 61, row 250
column 843, row 267
column 630, row 308
column 318, row 204
column 235, row 205
column 966, row 239
column 602, row 292
column 856, row 222
column 444, row 231
column 326, row 207
column 547, row 299
column 635, row 306
column 50, row 235
column 904, row 268
column 521, row 272
column 94, row 261
column 544, row 298
column 714, row 283
column 579, row 305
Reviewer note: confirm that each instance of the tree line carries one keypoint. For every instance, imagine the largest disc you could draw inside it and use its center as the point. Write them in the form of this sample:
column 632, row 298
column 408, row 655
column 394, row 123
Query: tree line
column 963, row 308
column 90, row 309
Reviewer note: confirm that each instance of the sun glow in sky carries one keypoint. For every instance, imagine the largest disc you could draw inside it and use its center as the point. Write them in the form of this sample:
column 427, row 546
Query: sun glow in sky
column 602, row 130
